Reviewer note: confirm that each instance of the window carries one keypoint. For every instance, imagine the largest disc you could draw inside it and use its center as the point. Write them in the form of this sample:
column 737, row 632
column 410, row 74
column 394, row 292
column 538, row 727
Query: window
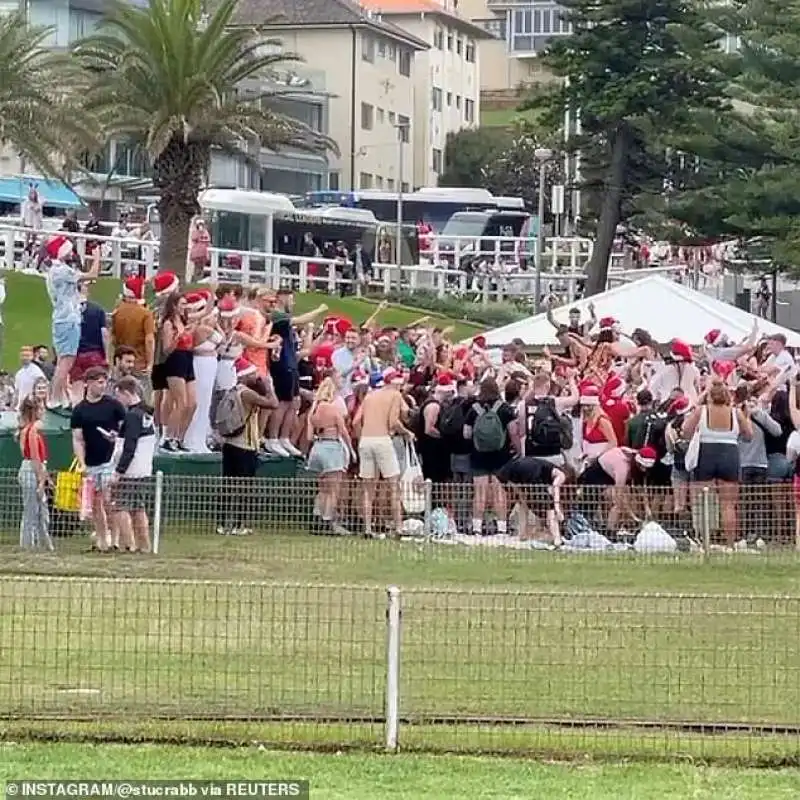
column 333, row 181
column 469, row 53
column 523, row 22
column 436, row 161
column 365, row 180
column 390, row 184
column 404, row 187
column 436, row 99
column 449, row 40
column 458, row 101
column 382, row 48
column 438, row 39
column 392, row 54
column 368, row 49
column 459, row 45
column 308, row 112
column 449, row 99
column 367, row 116
column 392, row 118
column 404, row 127
column 378, row 182
column 379, row 116
column 469, row 110
column 404, row 64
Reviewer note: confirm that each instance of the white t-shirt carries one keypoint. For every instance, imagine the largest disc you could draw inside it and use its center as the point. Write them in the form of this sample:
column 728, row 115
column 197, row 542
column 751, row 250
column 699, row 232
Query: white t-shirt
column 785, row 364
column 24, row 381
column 793, row 446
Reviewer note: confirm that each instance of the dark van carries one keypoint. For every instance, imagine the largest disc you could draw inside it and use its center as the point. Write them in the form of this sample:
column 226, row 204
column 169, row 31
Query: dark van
column 469, row 227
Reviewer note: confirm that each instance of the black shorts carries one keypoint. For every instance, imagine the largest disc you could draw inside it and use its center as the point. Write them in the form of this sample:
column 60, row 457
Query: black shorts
column 286, row 385
column 717, row 461
column 158, row 378
column 595, row 475
column 180, row 364
column 132, row 494
column 659, row 475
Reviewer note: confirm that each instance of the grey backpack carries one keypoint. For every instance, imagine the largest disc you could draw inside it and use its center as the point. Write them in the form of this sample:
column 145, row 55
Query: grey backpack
column 231, row 417
column 488, row 433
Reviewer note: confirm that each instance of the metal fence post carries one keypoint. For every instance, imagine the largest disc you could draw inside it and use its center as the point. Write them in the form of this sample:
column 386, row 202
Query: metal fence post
column 706, row 523
column 426, row 519
column 157, row 511
column 392, row 668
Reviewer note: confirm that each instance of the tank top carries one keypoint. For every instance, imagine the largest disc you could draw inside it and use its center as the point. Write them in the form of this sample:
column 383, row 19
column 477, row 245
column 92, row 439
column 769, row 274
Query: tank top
column 712, row 436
column 25, row 440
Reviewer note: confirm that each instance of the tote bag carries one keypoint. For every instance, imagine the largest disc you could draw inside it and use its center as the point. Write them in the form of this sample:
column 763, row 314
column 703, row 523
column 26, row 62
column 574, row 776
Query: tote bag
column 412, row 486
column 693, row 450
column 68, row 489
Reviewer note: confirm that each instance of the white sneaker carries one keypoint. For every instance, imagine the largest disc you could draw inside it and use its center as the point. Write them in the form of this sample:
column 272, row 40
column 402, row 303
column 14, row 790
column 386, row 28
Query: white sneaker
column 274, row 446
column 740, row 546
column 221, row 530
column 290, row 448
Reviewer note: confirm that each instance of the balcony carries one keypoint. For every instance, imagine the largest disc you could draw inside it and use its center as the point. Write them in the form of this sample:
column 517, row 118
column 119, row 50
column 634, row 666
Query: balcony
column 532, row 27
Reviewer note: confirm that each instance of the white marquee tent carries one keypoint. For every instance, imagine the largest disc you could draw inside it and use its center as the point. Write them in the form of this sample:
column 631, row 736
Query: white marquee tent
column 666, row 309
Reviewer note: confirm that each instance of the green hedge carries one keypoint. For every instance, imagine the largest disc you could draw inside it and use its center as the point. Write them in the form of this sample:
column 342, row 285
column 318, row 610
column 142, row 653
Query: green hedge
column 493, row 315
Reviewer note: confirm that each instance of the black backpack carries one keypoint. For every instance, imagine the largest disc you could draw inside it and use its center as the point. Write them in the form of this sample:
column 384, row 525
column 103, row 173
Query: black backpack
column 545, row 428
column 451, row 420
column 655, row 432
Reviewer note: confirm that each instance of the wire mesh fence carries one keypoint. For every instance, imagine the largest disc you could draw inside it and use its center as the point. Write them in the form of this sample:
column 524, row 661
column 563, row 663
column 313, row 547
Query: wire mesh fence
column 550, row 672
column 202, row 519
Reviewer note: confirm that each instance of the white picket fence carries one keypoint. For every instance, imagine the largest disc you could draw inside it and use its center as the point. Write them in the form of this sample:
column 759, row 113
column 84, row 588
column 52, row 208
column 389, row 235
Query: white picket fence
column 497, row 272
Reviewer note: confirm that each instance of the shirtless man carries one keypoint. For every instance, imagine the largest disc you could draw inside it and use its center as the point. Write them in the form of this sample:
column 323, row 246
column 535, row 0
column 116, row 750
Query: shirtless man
column 376, row 421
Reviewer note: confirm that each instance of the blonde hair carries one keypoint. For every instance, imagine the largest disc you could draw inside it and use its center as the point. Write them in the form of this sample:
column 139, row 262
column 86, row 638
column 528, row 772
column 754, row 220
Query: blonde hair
column 326, row 392
column 29, row 411
column 718, row 393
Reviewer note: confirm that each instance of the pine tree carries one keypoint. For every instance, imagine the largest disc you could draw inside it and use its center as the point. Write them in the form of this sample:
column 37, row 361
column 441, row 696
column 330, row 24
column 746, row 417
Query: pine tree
column 636, row 70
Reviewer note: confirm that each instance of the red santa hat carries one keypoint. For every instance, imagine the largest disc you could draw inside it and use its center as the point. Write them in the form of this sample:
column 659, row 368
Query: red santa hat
column 614, row 388
column 393, row 376
column 585, row 384
column 165, row 283
column 59, row 247
column 608, row 323
column 195, row 303
column 322, row 356
column 461, row 353
column 646, row 457
column 680, row 351
column 342, row 326
column 329, row 325
column 723, row 368
column 207, row 295
column 133, row 289
column 384, row 337
column 590, row 396
column 714, row 336
column 679, row 406
column 228, row 307
column 445, row 383
column 479, row 343
column 244, row 368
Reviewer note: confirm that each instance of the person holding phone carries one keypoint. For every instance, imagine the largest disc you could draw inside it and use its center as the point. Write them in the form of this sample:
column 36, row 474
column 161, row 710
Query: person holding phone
column 96, row 421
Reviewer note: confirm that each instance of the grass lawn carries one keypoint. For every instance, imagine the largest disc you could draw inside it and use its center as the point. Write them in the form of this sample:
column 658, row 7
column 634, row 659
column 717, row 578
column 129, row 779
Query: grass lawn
column 26, row 312
column 369, row 777
column 503, row 117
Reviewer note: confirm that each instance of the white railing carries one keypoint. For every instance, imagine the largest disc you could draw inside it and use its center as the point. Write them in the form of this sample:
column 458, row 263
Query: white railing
column 488, row 279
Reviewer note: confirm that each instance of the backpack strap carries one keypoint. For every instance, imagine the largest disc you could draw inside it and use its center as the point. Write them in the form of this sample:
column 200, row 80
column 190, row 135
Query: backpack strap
column 497, row 405
column 479, row 410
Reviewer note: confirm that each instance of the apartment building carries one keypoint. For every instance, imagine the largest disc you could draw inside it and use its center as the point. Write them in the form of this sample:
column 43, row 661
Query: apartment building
column 520, row 29
column 370, row 67
column 447, row 81
column 289, row 171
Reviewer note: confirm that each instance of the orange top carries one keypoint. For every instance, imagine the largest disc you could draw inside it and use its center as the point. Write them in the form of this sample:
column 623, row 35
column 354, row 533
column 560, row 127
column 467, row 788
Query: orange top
column 252, row 323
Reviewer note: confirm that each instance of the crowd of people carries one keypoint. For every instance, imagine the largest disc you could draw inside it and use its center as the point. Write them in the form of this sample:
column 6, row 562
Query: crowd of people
column 606, row 432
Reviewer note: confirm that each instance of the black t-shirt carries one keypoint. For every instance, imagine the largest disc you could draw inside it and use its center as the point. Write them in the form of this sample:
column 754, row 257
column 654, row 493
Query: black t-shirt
column 87, row 417
column 529, row 471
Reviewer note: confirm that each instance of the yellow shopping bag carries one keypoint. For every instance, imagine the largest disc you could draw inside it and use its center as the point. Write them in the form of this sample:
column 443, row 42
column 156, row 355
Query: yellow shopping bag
column 68, row 489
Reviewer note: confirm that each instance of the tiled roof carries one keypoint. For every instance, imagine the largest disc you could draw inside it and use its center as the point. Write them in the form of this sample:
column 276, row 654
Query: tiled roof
column 295, row 13
column 399, row 7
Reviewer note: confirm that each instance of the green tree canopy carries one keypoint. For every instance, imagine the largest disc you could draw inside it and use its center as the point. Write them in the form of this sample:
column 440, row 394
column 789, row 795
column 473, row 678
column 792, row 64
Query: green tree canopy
column 37, row 119
column 177, row 79
column 636, row 71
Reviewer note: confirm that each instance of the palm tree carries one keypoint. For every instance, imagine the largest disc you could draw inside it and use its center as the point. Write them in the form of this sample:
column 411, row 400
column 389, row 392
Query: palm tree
column 170, row 76
column 37, row 117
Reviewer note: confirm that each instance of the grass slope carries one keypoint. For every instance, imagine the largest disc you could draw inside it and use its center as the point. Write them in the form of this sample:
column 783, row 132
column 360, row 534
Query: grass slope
column 26, row 312
column 369, row 777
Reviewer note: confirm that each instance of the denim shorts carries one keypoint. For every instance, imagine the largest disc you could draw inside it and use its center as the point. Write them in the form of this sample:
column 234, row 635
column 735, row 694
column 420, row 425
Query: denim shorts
column 66, row 337
column 101, row 475
column 328, row 455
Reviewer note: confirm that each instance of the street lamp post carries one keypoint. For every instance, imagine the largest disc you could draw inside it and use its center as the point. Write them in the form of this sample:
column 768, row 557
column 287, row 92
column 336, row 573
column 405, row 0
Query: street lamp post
column 402, row 129
column 542, row 156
